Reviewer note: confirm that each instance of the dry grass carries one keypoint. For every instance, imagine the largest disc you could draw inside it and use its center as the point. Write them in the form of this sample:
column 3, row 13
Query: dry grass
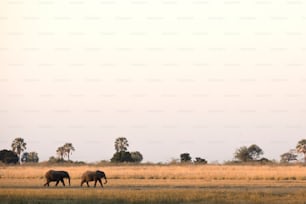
column 160, row 184
column 189, row 172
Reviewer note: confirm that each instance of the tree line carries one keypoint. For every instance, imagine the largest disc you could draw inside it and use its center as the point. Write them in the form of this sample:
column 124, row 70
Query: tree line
column 243, row 154
column 18, row 155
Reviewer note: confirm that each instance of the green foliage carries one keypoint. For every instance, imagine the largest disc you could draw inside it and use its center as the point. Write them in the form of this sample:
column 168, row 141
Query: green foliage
column 8, row 157
column 136, row 157
column 251, row 153
column 122, row 156
column 199, row 160
column 255, row 152
column 185, row 157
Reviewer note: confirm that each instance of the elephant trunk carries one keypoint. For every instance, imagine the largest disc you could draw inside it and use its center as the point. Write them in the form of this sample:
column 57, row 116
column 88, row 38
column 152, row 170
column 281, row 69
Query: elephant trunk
column 69, row 180
column 105, row 180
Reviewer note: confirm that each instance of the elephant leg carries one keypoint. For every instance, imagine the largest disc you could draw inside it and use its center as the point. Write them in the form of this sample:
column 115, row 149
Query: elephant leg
column 87, row 183
column 100, row 182
column 62, row 180
column 95, row 183
column 57, row 182
column 47, row 184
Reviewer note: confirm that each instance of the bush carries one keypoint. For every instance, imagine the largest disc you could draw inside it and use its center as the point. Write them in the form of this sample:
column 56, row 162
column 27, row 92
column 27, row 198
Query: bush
column 122, row 156
column 199, row 160
column 8, row 157
column 185, row 157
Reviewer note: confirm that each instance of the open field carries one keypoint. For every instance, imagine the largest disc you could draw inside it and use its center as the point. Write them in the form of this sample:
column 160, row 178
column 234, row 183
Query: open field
column 159, row 184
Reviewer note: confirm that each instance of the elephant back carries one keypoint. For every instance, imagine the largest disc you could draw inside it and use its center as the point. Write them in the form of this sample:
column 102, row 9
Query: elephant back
column 49, row 174
column 88, row 175
column 52, row 174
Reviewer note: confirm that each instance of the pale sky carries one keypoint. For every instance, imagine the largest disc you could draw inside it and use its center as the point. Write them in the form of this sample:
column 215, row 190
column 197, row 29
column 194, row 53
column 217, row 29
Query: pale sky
column 173, row 76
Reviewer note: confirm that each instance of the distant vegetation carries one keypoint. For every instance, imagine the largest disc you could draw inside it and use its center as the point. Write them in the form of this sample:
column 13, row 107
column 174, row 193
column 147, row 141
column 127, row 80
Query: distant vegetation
column 247, row 154
column 244, row 154
column 8, row 157
column 63, row 152
column 122, row 155
column 18, row 146
column 30, row 157
column 15, row 155
column 186, row 158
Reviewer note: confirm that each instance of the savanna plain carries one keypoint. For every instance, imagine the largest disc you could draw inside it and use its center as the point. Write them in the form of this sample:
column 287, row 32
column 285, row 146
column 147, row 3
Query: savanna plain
column 158, row 184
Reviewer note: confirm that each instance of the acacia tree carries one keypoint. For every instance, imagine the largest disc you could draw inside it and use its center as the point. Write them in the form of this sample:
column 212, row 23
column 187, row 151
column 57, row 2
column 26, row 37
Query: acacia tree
column 255, row 151
column 288, row 156
column 242, row 154
column 18, row 146
column 301, row 148
column 250, row 153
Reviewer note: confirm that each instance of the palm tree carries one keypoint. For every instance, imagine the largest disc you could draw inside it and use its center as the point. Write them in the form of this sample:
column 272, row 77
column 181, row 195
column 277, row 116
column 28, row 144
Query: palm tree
column 301, row 148
column 121, row 144
column 68, row 149
column 18, row 146
column 61, row 152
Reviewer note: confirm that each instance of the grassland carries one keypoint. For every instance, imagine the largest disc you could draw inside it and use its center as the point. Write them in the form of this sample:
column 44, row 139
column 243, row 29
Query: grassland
column 159, row 184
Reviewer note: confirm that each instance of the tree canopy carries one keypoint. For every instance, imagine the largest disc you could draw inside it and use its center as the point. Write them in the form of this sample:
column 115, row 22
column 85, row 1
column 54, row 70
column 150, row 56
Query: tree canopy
column 8, row 157
column 185, row 157
column 251, row 153
column 288, row 156
column 65, row 151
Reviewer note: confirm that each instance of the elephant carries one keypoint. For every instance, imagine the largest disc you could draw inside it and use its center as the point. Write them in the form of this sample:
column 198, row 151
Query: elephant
column 57, row 176
column 93, row 176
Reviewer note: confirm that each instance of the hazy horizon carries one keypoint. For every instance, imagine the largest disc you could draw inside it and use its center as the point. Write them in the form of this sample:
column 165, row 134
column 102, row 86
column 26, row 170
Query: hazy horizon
column 203, row 77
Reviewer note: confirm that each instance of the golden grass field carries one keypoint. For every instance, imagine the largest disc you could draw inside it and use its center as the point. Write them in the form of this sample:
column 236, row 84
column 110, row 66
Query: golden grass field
column 159, row 184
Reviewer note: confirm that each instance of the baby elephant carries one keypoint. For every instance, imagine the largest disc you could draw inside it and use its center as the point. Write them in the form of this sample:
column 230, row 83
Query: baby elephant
column 57, row 176
column 93, row 176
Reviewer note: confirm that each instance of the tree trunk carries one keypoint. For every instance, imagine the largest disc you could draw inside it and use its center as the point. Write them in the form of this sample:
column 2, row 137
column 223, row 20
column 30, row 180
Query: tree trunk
column 19, row 159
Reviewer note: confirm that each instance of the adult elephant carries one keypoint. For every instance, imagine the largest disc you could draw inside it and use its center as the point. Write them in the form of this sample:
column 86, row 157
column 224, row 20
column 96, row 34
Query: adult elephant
column 93, row 176
column 57, row 176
